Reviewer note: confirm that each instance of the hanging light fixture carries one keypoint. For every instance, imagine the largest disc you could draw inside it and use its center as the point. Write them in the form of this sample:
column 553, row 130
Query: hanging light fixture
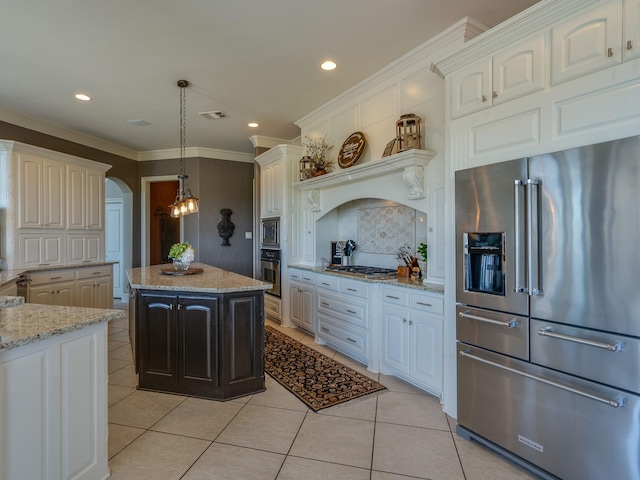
column 185, row 203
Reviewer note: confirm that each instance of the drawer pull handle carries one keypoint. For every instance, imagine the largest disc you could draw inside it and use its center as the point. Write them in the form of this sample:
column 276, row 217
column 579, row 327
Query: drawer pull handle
column 352, row 289
column 324, row 329
column 306, row 278
column 509, row 324
column 351, row 340
column 55, row 278
column 352, row 312
column 615, row 403
column 424, row 304
column 548, row 332
column 324, row 304
column 391, row 296
column 96, row 273
column 325, row 283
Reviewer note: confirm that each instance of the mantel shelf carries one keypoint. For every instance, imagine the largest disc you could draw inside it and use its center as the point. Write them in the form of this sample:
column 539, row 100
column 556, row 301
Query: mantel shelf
column 391, row 164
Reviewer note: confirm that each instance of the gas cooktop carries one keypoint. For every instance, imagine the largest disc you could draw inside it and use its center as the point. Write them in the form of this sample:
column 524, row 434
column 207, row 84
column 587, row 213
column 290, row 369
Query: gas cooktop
column 363, row 271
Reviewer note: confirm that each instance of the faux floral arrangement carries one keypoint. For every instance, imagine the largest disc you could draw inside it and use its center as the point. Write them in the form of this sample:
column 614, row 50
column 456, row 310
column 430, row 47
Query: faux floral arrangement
column 423, row 251
column 317, row 149
column 182, row 252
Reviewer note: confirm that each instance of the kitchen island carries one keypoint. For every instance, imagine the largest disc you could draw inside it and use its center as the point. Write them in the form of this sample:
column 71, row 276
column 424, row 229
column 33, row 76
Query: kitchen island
column 53, row 390
column 198, row 334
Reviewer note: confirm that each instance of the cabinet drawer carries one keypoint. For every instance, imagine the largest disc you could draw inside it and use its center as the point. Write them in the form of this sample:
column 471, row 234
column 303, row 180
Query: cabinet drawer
column 93, row 272
column 359, row 289
column 272, row 307
column 44, row 278
column 427, row 303
column 328, row 282
column 302, row 276
column 352, row 312
column 395, row 296
column 350, row 339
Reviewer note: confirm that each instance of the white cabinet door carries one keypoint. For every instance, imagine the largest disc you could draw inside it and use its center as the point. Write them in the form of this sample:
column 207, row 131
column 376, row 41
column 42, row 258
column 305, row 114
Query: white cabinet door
column 271, row 189
column 519, row 70
column 295, row 304
column 85, row 248
column 94, row 200
column 38, row 250
column 425, row 364
column 103, row 295
column 63, row 293
column 631, row 18
column 30, row 192
column 76, row 199
column 587, row 43
column 54, row 182
column 41, row 294
column 307, row 304
column 471, row 88
column 395, row 348
column 85, row 293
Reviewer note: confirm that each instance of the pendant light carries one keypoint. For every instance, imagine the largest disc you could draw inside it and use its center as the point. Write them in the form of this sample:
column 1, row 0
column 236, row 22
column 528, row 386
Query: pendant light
column 185, row 203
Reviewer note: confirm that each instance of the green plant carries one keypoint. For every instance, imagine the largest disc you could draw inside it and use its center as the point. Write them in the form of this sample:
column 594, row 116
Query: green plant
column 178, row 251
column 423, row 251
column 317, row 149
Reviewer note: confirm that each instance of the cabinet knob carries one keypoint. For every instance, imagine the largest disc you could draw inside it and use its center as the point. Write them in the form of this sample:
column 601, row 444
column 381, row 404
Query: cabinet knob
column 410, row 322
column 404, row 320
column 495, row 94
column 484, row 98
column 629, row 46
column 609, row 52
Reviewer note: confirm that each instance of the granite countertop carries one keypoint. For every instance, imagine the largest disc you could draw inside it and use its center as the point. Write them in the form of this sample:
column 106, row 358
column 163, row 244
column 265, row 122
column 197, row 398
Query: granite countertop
column 25, row 323
column 212, row 280
column 394, row 282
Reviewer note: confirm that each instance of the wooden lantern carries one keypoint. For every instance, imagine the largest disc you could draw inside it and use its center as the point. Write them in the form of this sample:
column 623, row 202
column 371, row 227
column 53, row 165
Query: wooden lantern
column 305, row 168
column 408, row 132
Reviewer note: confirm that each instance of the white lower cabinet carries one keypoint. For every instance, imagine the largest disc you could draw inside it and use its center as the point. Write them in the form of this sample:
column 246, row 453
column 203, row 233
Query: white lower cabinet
column 54, row 407
column 56, row 287
column 411, row 337
column 94, row 287
column 272, row 307
column 343, row 316
column 38, row 250
column 301, row 299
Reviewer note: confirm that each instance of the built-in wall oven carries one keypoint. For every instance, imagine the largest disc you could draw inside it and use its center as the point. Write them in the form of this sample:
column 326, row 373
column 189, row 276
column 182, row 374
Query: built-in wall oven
column 270, row 233
column 270, row 269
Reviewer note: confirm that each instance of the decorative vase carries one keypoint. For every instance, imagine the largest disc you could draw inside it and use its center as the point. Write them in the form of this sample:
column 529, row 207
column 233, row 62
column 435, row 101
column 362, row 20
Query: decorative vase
column 181, row 266
column 423, row 268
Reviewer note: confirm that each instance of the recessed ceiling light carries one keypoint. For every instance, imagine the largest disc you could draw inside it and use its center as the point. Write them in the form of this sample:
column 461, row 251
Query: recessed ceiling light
column 328, row 65
column 253, row 125
column 83, row 97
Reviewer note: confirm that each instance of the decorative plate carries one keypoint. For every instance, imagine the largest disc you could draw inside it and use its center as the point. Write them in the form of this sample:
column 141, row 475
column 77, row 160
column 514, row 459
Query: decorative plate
column 351, row 150
column 173, row 271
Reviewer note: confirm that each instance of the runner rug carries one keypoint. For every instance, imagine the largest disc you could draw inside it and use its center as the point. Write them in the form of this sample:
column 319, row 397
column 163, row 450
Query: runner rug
column 314, row 378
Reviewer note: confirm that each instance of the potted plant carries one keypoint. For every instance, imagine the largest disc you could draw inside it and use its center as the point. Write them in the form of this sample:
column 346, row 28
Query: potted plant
column 317, row 149
column 423, row 251
column 182, row 255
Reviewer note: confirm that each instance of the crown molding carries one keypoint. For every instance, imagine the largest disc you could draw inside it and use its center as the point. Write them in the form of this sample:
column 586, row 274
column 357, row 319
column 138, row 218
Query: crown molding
column 65, row 134
column 11, row 146
column 191, row 152
column 259, row 141
column 420, row 56
column 530, row 21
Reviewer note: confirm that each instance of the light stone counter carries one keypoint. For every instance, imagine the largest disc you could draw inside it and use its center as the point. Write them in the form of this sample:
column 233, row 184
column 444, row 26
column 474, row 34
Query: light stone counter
column 212, row 280
column 396, row 282
column 25, row 323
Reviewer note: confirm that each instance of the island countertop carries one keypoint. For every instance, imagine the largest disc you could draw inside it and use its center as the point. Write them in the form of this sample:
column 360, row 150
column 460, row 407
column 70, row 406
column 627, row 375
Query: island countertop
column 211, row 280
column 25, row 323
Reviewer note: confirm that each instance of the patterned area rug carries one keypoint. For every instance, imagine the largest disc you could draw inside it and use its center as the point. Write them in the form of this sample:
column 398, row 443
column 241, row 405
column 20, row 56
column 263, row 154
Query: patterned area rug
column 314, row 378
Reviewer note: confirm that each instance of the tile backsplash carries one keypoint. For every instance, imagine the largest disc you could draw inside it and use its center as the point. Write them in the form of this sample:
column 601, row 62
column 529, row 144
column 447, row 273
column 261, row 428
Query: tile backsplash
column 379, row 228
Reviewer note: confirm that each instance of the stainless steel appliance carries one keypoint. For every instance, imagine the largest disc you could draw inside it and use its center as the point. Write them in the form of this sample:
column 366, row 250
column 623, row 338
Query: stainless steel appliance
column 270, row 269
column 270, row 233
column 548, row 314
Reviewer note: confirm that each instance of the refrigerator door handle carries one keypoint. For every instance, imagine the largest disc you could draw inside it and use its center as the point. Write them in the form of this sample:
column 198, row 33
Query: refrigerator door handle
column 615, row 403
column 520, row 272
column 548, row 332
column 533, row 281
column 509, row 324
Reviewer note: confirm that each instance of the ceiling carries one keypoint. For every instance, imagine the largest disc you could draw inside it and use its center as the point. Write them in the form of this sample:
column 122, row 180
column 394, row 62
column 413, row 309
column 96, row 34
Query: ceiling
column 255, row 60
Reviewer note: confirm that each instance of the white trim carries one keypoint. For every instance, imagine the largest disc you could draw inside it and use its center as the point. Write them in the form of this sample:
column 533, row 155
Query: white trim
column 268, row 142
column 65, row 134
column 193, row 152
column 10, row 146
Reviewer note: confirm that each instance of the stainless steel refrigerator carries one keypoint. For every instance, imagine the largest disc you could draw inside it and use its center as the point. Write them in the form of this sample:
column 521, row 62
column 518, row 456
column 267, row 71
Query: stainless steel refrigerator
column 548, row 314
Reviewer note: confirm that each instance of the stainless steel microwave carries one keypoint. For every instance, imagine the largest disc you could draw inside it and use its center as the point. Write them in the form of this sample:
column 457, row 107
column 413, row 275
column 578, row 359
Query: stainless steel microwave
column 270, row 233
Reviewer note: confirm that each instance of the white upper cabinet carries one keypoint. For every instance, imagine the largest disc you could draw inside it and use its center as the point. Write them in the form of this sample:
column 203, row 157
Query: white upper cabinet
column 631, row 38
column 271, row 189
column 586, row 43
column 85, row 199
column 512, row 73
column 41, row 186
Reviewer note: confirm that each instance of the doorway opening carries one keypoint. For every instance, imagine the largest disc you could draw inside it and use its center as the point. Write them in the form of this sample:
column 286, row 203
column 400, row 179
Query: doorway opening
column 118, row 233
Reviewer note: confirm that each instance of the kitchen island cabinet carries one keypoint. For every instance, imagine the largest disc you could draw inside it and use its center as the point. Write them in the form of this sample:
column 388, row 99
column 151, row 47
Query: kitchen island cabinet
column 200, row 335
column 53, row 391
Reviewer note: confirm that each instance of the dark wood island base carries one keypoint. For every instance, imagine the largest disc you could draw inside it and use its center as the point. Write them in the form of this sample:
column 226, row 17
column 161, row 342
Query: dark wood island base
column 201, row 343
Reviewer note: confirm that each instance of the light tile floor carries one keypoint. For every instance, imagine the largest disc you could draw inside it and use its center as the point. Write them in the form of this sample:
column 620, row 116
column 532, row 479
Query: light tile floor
column 400, row 433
